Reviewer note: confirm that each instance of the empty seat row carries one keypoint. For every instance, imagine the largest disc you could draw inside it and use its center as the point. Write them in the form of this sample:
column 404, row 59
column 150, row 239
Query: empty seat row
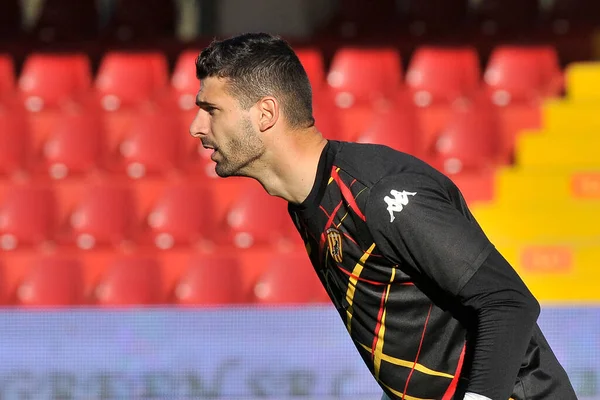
column 356, row 75
column 439, row 74
column 107, row 213
column 185, row 279
column 155, row 140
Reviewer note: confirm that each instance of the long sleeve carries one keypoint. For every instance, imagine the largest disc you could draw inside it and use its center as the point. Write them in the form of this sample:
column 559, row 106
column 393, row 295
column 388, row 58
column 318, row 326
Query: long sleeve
column 505, row 314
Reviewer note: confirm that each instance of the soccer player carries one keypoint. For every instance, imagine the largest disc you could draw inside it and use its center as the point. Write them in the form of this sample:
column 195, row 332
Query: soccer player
column 433, row 308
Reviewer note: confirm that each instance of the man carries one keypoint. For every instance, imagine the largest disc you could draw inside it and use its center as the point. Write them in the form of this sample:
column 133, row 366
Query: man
column 432, row 307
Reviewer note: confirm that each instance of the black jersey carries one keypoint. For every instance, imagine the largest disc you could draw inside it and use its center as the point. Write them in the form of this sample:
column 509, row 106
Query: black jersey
column 393, row 242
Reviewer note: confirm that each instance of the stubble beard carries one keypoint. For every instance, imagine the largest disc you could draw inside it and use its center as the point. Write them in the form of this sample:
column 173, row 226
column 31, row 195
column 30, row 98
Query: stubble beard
column 241, row 152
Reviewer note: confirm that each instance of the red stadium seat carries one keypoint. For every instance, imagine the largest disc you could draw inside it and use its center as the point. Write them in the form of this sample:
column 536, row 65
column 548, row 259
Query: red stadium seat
column 182, row 214
column 4, row 298
column 362, row 76
column 7, row 75
column 10, row 18
column 196, row 159
column 14, row 140
column 327, row 117
column 184, row 81
column 477, row 187
column 52, row 281
column 74, row 146
column 288, row 279
column 396, row 127
column 210, row 280
column 126, row 79
column 256, row 219
column 130, row 281
column 67, row 20
column 104, row 216
column 151, row 145
column 433, row 16
column 523, row 74
column 49, row 80
column 497, row 16
column 512, row 120
column 470, row 140
column 312, row 61
column 143, row 19
column 27, row 216
column 442, row 74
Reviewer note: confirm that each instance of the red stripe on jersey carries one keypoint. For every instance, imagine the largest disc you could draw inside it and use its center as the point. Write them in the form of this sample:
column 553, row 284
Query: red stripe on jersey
column 378, row 326
column 358, row 278
column 327, row 226
column 346, row 193
column 350, row 238
column 418, row 352
column 452, row 388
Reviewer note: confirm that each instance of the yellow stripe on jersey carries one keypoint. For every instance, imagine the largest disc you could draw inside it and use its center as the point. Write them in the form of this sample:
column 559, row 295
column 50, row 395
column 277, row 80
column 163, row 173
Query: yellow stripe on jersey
column 409, row 364
column 352, row 284
column 381, row 333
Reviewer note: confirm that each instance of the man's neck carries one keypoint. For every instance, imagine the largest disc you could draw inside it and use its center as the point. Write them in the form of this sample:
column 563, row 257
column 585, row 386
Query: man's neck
column 291, row 171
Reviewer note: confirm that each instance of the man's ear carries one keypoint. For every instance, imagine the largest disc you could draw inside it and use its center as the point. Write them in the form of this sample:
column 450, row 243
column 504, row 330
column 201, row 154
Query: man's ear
column 268, row 108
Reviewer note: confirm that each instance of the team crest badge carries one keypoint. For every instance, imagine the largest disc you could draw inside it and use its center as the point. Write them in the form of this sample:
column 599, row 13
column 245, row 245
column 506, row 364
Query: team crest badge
column 334, row 241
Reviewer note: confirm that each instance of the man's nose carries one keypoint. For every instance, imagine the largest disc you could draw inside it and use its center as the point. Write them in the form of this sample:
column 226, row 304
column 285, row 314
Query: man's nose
column 199, row 126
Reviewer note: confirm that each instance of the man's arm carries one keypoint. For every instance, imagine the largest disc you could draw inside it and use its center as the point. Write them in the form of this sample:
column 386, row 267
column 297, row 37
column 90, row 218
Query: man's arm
column 505, row 313
column 429, row 237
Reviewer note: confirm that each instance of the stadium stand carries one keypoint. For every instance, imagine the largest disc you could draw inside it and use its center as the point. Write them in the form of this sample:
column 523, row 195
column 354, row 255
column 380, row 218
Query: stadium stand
column 544, row 212
column 98, row 174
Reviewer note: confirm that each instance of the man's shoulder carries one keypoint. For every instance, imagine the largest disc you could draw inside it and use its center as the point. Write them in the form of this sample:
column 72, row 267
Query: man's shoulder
column 370, row 163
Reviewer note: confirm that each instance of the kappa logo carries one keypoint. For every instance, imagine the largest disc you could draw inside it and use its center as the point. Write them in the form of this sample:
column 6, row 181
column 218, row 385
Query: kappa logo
column 397, row 203
column 334, row 241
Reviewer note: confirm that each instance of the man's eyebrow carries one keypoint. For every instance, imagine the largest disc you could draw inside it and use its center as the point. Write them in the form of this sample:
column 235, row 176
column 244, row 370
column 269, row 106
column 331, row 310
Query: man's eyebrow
column 205, row 104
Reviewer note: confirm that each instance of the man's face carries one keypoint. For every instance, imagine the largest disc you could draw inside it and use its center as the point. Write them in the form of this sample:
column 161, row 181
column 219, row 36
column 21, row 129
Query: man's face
column 221, row 124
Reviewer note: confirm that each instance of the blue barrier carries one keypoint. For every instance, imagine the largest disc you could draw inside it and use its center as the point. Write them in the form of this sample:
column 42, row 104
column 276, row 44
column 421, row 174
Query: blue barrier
column 222, row 353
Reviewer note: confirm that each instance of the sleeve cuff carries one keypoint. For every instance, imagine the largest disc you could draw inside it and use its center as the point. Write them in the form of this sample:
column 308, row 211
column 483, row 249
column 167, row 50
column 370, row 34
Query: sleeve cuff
column 474, row 396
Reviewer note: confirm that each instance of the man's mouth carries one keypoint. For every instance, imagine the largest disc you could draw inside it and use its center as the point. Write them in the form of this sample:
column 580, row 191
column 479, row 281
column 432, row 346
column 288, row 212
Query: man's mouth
column 207, row 145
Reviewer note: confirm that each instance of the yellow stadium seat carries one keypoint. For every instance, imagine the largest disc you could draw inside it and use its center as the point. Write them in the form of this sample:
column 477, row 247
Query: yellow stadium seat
column 583, row 82
column 558, row 152
column 563, row 117
column 557, row 273
column 516, row 187
column 544, row 223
